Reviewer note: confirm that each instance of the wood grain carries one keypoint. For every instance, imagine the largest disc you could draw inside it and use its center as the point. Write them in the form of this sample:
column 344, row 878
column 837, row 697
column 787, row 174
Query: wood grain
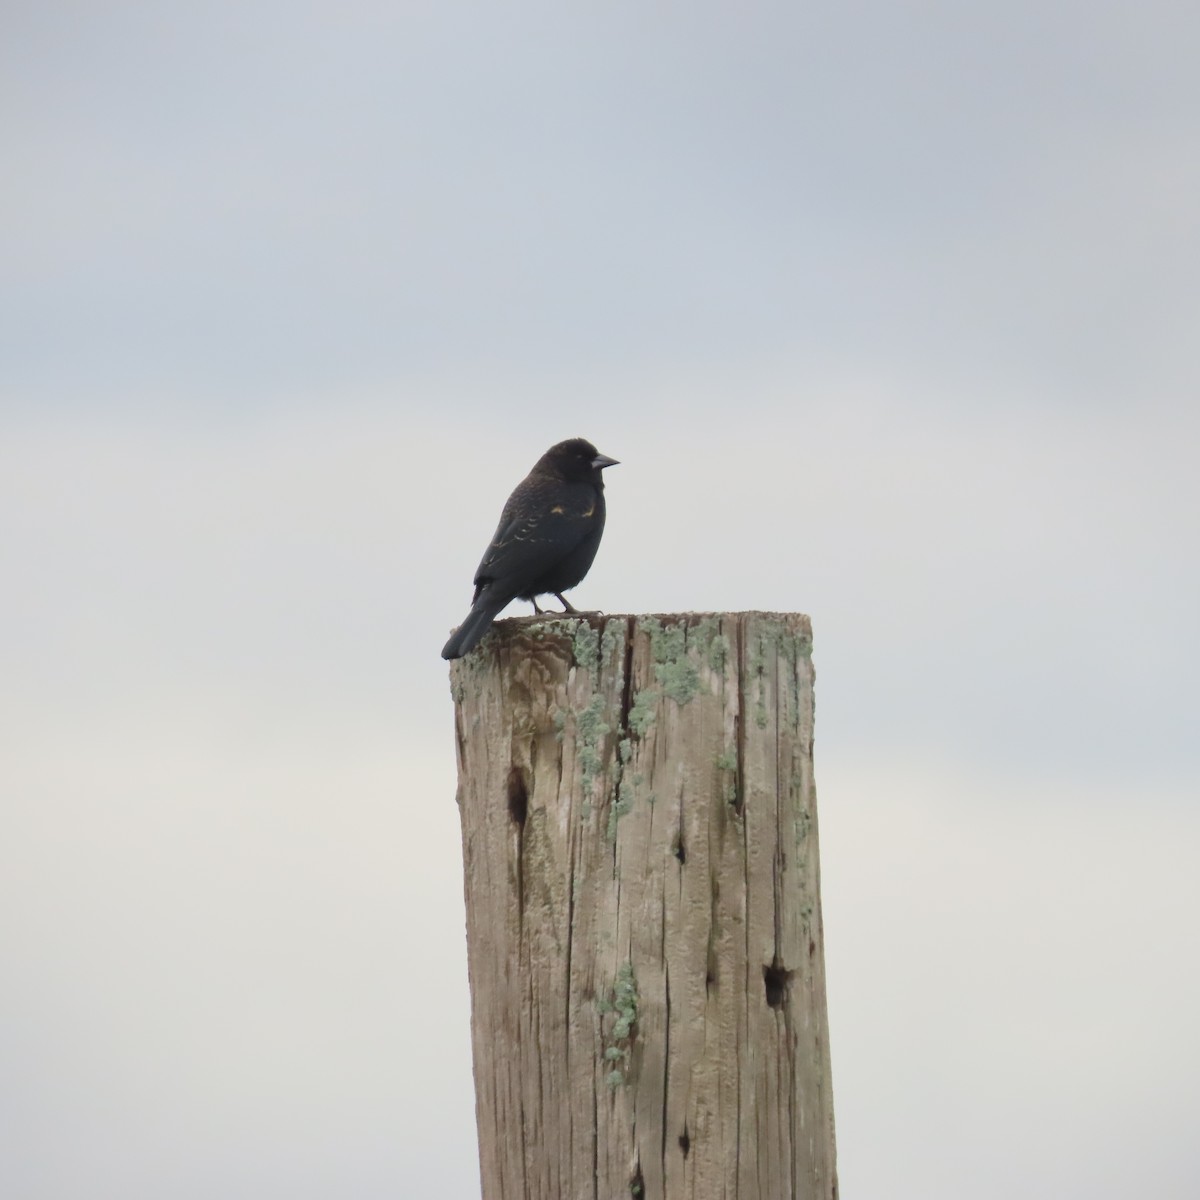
column 643, row 909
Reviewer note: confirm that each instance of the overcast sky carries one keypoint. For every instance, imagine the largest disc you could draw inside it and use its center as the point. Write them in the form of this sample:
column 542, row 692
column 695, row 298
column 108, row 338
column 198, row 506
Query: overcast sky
column 891, row 314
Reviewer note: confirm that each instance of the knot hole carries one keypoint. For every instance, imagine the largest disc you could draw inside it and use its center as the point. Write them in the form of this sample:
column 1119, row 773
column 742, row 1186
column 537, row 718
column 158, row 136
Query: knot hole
column 518, row 797
column 777, row 980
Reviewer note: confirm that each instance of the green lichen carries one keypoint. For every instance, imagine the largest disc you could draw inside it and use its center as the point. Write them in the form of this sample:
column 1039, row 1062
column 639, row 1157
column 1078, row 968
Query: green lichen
column 727, row 764
column 801, row 824
column 707, row 643
column 643, row 710
column 619, row 808
column 762, row 644
column 623, row 797
column 676, row 674
column 718, row 653
column 625, row 998
column 612, row 646
column 621, row 1003
column 777, row 641
column 678, row 678
column 560, row 723
column 586, row 645
column 590, row 731
column 794, row 648
column 666, row 641
column 551, row 626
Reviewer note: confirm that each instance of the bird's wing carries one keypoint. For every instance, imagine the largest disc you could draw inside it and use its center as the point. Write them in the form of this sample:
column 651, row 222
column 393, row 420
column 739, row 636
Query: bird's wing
column 542, row 522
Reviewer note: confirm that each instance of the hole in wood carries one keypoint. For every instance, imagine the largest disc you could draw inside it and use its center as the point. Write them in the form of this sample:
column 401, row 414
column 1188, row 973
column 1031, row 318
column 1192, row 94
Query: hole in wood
column 685, row 1142
column 777, row 980
column 518, row 797
column 678, row 850
column 637, row 1187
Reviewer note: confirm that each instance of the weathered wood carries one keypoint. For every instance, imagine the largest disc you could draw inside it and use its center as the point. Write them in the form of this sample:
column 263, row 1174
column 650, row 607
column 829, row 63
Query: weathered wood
column 643, row 909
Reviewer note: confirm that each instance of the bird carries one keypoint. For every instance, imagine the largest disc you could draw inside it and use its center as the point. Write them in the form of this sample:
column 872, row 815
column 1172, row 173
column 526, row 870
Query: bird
column 547, row 538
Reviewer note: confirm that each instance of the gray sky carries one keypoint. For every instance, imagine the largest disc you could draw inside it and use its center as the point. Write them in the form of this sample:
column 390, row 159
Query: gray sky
column 890, row 313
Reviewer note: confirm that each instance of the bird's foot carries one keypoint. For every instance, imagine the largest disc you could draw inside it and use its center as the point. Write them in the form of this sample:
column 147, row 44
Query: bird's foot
column 570, row 611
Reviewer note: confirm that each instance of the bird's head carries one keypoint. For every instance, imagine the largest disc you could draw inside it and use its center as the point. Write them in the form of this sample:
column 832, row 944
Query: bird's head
column 575, row 460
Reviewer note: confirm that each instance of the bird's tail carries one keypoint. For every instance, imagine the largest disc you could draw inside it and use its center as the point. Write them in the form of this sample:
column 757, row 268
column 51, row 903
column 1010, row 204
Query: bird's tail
column 467, row 636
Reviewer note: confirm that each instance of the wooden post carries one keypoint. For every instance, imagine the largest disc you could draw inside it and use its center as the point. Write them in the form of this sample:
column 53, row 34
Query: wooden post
column 643, row 909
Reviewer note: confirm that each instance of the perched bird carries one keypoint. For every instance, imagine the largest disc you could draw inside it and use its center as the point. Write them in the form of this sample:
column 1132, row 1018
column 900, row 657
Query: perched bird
column 548, row 535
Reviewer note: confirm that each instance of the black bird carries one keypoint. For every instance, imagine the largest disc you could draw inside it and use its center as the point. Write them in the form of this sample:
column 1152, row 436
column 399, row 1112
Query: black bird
column 548, row 535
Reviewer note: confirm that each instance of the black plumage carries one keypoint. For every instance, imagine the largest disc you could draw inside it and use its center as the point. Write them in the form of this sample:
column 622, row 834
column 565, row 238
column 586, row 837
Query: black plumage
column 548, row 535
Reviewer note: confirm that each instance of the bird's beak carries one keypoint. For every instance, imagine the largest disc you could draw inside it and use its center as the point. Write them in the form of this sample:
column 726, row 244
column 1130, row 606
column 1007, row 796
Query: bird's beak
column 602, row 460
